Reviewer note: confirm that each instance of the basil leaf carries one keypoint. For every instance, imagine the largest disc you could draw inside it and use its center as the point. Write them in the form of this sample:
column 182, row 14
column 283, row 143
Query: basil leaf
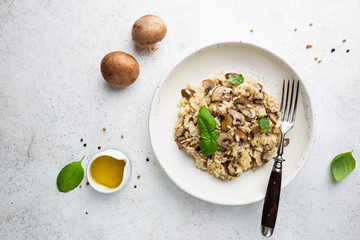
column 205, row 135
column 342, row 165
column 215, row 134
column 208, row 146
column 264, row 124
column 236, row 79
column 70, row 176
column 206, row 121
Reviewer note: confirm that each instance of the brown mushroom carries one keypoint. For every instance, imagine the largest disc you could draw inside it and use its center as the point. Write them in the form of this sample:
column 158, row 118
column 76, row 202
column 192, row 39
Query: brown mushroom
column 286, row 141
column 228, row 75
column 226, row 122
column 255, row 128
column 148, row 30
column 258, row 158
column 208, row 85
column 224, row 140
column 119, row 69
column 267, row 148
column 221, row 93
column 240, row 136
column 238, row 118
column 187, row 93
column 241, row 102
column 182, row 142
column 214, row 109
column 233, row 169
column 273, row 118
column 242, row 105
column 249, row 112
column 179, row 131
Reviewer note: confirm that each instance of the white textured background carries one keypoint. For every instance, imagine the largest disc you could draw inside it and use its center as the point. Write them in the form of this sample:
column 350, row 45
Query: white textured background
column 52, row 94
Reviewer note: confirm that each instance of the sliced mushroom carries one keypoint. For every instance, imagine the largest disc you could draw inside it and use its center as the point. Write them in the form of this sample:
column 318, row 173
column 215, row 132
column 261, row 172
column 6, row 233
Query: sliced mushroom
column 252, row 96
column 258, row 158
column 187, row 93
column 286, row 141
column 208, row 85
column 273, row 118
column 228, row 75
column 179, row 131
column 249, row 112
column 226, row 122
column 255, row 128
column 182, row 142
column 243, row 105
column 238, row 118
column 214, row 109
column 232, row 169
column 240, row 135
column 224, row 140
column 267, row 148
column 221, row 93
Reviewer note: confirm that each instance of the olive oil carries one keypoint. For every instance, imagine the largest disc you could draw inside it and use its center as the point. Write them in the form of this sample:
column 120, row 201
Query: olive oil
column 107, row 171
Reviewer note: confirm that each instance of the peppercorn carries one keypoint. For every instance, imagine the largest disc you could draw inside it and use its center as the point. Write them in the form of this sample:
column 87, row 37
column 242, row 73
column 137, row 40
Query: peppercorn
column 84, row 144
column 81, row 139
column 348, row 50
column 147, row 159
column 333, row 50
column 99, row 147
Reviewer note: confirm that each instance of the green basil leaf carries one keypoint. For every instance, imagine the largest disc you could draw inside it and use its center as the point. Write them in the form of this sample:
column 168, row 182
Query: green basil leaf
column 342, row 165
column 70, row 176
column 206, row 121
column 236, row 79
column 215, row 135
column 205, row 135
column 264, row 124
column 208, row 146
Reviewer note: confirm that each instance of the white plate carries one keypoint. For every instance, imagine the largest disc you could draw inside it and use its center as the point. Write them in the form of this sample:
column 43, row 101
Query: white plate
column 252, row 61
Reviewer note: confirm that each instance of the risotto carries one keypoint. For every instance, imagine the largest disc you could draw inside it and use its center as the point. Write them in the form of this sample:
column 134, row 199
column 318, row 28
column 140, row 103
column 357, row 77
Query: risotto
column 242, row 142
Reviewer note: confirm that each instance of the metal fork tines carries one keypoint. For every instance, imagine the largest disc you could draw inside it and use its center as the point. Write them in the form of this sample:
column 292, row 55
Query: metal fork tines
column 289, row 100
column 287, row 109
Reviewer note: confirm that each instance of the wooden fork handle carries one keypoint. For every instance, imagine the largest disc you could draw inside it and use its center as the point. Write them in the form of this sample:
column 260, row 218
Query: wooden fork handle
column 271, row 202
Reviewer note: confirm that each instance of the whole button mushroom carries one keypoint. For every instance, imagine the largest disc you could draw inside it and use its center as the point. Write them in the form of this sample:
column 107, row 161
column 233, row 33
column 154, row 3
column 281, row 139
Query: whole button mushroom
column 148, row 30
column 119, row 69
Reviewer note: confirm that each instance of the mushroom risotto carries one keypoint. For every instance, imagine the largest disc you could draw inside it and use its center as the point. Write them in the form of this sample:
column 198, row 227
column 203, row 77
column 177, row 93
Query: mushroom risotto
column 246, row 133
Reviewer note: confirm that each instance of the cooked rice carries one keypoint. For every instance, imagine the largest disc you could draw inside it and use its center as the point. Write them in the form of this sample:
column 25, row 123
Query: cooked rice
column 240, row 156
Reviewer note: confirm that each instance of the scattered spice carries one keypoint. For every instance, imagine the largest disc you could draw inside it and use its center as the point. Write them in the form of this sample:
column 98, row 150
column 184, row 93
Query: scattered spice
column 81, row 139
column 122, row 136
column 80, row 186
column 309, row 46
column 251, row 30
column 147, row 159
column 86, row 213
column 316, row 58
column 84, row 144
column 344, row 40
column 310, row 24
column 333, row 50
column 12, row 203
column 135, row 186
column 138, row 176
column 87, row 183
column 319, row 61
column 99, row 147
column 104, row 129
column 295, row 29
column 348, row 50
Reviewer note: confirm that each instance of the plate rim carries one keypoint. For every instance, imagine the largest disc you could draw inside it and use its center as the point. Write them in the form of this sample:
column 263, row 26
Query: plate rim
column 308, row 111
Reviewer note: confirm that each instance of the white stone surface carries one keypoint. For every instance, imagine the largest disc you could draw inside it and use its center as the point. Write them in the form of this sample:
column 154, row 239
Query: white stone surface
column 52, row 94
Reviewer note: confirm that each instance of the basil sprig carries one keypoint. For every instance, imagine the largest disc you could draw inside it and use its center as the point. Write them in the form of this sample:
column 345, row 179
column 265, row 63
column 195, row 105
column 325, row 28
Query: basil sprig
column 236, row 79
column 342, row 165
column 264, row 124
column 70, row 176
column 207, row 124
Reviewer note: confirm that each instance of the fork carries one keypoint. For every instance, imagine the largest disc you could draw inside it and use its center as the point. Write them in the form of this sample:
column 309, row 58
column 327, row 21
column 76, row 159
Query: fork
column 287, row 119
